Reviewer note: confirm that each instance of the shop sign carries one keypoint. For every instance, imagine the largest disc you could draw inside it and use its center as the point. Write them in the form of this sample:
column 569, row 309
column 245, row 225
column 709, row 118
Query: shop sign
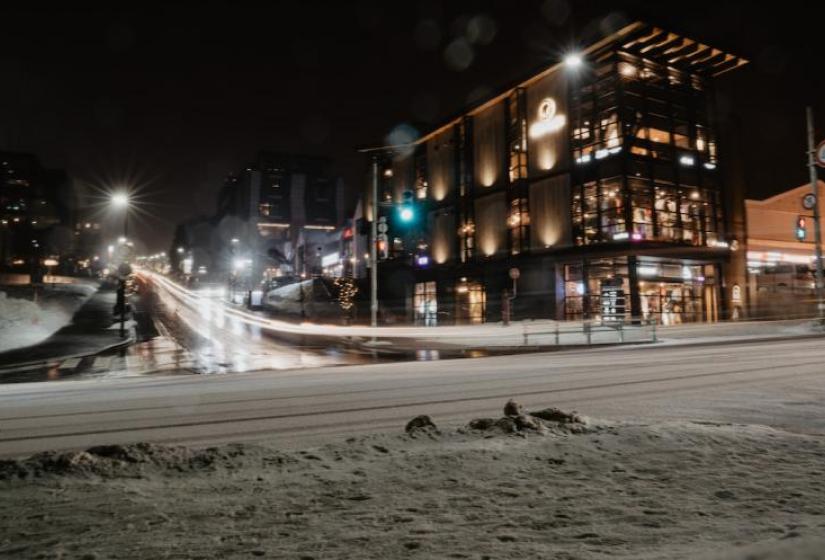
column 613, row 300
column 736, row 295
column 330, row 260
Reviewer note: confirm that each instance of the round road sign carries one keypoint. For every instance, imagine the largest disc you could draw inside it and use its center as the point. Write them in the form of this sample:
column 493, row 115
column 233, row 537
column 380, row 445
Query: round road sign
column 809, row 201
column 819, row 156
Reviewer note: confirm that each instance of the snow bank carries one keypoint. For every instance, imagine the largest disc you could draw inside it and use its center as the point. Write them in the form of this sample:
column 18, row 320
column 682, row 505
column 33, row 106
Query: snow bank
column 675, row 491
column 24, row 322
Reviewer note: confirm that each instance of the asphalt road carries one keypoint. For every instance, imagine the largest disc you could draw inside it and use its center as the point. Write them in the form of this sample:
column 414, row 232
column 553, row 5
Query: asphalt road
column 778, row 383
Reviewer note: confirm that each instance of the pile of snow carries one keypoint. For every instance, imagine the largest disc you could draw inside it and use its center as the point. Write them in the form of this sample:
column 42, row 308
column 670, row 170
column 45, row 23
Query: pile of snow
column 24, row 322
column 518, row 420
column 117, row 461
column 587, row 491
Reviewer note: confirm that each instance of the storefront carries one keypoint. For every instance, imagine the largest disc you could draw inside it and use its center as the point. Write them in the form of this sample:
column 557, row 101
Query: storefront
column 667, row 291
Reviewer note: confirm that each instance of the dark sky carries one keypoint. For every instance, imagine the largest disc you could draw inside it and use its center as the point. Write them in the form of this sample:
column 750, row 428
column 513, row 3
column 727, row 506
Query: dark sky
column 173, row 96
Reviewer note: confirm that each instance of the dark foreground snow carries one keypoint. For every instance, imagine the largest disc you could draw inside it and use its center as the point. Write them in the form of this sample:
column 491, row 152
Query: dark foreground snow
column 559, row 491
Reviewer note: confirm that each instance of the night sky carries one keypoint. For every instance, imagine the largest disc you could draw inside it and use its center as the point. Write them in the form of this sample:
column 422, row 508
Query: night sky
column 172, row 97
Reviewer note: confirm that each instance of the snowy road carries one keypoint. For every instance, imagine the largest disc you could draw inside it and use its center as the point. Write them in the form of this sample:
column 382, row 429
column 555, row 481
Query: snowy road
column 779, row 383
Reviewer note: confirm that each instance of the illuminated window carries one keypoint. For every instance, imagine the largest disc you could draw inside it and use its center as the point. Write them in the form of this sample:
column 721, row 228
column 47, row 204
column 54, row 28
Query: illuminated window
column 518, row 221
column 517, row 128
column 466, row 234
column 471, row 302
column 425, row 304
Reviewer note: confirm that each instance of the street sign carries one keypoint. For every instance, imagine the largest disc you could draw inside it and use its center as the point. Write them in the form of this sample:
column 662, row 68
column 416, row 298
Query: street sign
column 612, row 300
column 382, row 227
column 515, row 273
column 819, row 156
column 809, row 201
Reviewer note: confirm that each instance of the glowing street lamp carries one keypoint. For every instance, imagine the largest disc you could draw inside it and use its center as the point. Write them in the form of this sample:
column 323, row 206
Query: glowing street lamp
column 573, row 60
column 120, row 200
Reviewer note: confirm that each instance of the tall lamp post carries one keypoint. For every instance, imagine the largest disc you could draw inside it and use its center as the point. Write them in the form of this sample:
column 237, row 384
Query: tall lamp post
column 374, row 247
column 812, row 162
column 120, row 200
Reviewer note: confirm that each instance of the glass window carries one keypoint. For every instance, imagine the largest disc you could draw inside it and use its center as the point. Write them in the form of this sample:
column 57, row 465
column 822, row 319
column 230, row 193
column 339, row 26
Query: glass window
column 518, row 221
column 425, row 304
column 471, row 302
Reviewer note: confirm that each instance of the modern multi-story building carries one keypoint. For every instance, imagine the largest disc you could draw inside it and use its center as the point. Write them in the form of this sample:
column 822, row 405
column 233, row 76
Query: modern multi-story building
column 597, row 178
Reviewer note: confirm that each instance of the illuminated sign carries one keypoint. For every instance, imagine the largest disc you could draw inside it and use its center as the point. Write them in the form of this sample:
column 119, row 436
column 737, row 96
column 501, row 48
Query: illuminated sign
column 330, row 259
column 549, row 120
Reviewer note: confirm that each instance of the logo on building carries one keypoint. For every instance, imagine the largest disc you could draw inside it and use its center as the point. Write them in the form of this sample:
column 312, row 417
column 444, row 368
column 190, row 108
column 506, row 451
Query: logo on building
column 549, row 120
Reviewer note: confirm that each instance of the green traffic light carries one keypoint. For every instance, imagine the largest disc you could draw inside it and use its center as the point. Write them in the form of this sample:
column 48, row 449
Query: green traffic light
column 406, row 214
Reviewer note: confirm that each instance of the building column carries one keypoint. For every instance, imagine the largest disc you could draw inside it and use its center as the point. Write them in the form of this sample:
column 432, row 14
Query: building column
column 633, row 281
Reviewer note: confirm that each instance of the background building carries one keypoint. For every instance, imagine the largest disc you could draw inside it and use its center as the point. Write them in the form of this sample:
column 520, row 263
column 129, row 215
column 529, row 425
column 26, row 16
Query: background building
column 275, row 218
column 781, row 259
column 38, row 210
column 598, row 178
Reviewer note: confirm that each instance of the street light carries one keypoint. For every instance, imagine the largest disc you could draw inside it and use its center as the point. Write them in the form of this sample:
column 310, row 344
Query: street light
column 120, row 200
column 573, row 60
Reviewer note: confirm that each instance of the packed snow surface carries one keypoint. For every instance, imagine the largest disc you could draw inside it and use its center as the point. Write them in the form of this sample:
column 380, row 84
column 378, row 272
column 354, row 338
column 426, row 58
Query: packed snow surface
column 525, row 485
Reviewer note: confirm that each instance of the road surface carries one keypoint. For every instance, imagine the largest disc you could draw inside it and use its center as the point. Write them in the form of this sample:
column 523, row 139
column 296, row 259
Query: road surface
column 778, row 383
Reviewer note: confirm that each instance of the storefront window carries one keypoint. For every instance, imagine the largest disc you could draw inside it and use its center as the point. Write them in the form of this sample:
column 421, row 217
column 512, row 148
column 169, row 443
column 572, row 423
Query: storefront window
column 471, row 301
column 677, row 292
column 584, row 283
column 425, row 304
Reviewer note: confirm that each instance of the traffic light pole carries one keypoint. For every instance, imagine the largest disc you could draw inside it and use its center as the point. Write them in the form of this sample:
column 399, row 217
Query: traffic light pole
column 374, row 247
column 820, row 302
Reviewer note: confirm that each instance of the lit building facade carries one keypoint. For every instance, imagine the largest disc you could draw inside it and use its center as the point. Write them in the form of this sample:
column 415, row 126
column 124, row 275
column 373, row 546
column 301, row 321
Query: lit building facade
column 781, row 256
column 599, row 174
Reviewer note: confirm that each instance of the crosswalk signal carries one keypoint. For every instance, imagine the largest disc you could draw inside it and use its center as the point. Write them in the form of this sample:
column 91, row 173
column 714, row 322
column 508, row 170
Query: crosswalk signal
column 801, row 230
column 383, row 248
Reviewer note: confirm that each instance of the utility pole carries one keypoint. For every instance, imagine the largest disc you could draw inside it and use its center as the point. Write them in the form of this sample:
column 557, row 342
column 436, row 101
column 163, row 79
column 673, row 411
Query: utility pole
column 121, row 291
column 820, row 303
column 374, row 246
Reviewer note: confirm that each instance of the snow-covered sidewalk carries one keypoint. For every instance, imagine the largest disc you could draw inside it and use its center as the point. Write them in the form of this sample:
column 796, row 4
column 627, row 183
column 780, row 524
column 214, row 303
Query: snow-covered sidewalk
column 675, row 491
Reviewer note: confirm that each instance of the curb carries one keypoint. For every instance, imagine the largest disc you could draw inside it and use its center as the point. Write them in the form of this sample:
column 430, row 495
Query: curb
column 9, row 368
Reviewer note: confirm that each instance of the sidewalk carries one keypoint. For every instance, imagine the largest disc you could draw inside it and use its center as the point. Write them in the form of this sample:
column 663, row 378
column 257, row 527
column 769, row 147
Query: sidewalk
column 90, row 331
column 546, row 335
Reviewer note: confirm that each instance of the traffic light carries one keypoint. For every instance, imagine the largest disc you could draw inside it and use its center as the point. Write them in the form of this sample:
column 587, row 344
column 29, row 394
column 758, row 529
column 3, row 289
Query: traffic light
column 406, row 211
column 801, row 230
column 383, row 247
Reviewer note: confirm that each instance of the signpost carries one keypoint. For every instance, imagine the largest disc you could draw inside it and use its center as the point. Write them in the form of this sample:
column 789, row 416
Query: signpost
column 816, row 157
column 612, row 300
